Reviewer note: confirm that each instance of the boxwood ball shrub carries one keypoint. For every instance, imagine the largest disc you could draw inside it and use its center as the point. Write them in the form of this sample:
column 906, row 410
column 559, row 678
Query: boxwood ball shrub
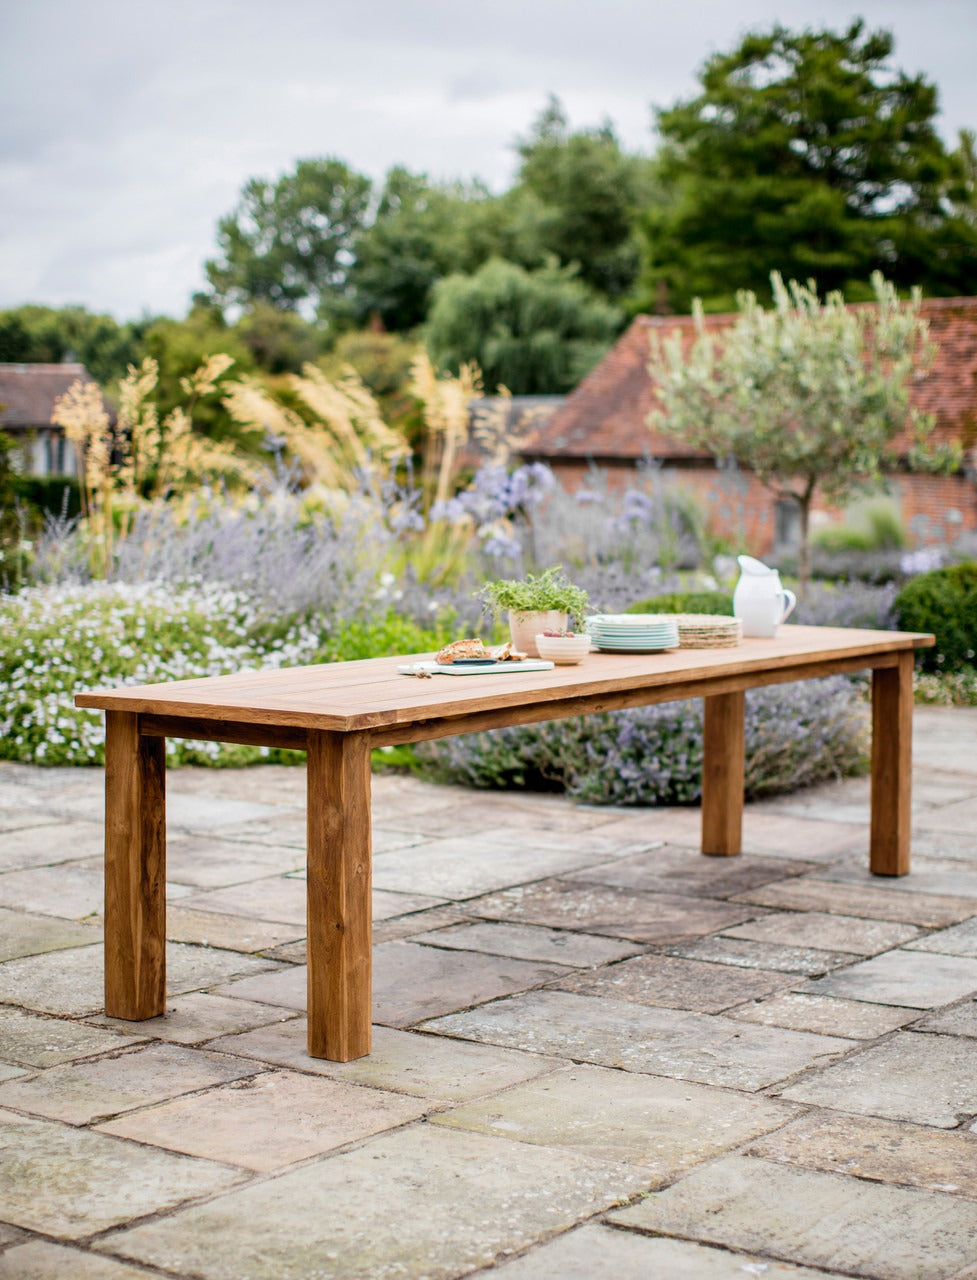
column 796, row 734
column 715, row 602
column 943, row 602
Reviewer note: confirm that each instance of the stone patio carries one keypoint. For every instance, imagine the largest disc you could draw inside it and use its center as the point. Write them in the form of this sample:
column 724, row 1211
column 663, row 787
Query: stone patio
column 597, row 1053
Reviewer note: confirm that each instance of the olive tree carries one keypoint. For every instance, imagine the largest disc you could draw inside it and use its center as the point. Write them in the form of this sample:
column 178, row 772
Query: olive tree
column 810, row 394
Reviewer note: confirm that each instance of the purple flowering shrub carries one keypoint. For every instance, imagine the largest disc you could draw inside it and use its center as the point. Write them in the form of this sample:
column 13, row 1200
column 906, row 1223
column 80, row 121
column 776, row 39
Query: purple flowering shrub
column 796, row 735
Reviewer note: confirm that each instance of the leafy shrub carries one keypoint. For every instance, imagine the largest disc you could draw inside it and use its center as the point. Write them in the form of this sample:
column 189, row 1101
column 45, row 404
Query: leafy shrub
column 56, row 642
column 716, row 602
column 943, row 602
column 795, row 735
column 871, row 525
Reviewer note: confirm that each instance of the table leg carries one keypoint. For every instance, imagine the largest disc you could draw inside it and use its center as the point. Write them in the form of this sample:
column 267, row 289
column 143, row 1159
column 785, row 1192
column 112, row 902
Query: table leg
column 339, row 896
column 135, row 870
column 722, row 773
column 892, row 739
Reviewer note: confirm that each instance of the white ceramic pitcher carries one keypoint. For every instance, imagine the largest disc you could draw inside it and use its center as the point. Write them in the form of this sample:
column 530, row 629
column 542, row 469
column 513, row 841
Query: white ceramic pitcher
column 759, row 601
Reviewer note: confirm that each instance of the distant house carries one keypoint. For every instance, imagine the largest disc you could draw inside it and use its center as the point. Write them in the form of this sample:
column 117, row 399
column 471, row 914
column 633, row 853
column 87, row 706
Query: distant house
column 27, row 396
column 604, row 424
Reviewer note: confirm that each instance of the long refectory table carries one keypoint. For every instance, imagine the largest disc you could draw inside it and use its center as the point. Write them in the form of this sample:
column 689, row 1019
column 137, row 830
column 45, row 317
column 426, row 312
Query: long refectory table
column 339, row 712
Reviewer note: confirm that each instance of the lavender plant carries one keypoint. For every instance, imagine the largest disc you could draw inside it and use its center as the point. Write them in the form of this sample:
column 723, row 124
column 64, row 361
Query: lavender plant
column 796, row 735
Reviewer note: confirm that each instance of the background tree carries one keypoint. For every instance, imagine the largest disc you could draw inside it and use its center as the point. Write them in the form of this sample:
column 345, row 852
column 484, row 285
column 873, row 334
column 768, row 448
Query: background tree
column 807, row 154
column 808, row 395
column 50, row 335
column 289, row 242
column 534, row 332
column 586, row 193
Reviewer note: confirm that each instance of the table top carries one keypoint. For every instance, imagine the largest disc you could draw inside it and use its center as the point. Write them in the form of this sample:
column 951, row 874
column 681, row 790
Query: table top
column 351, row 696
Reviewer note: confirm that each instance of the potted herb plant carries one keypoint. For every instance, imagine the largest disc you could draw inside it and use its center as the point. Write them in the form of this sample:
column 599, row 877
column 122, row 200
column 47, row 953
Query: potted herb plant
column 546, row 601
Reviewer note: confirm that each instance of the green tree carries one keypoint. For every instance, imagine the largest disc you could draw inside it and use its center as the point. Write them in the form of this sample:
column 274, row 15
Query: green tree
column 587, row 192
column 50, row 335
column 289, row 242
column 806, row 154
column 422, row 231
column 809, row 395
column 535, row 332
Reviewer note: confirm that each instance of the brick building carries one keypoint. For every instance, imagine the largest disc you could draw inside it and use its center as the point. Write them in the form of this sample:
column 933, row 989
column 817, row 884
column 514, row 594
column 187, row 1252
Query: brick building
column 603, row 423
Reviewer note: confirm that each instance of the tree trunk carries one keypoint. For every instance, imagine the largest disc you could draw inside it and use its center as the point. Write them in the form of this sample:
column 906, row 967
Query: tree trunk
column 804, row 552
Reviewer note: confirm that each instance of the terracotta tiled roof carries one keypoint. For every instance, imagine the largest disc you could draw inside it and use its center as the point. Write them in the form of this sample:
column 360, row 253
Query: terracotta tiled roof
column 28, row 391
column 605, row 417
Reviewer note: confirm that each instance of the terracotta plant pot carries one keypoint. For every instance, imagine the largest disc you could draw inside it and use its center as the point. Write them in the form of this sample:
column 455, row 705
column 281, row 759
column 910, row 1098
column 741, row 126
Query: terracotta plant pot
column 524, row 628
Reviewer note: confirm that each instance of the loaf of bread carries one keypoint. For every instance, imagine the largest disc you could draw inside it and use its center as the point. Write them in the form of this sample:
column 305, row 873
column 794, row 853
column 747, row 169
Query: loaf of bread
column 472, row 648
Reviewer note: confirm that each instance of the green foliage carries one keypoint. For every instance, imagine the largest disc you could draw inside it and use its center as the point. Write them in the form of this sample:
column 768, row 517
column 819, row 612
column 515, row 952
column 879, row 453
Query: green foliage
column 536, row 593
column 57, row 641
column 943, row 602
column 875, row 525
column 653, row 755
column 809, row 395
column 287, row 242
column 805, row 153
column 534, row 332
column 55, row 495
column 714, row 602
column 278, row 341
column 49, row 335
column 587, row 193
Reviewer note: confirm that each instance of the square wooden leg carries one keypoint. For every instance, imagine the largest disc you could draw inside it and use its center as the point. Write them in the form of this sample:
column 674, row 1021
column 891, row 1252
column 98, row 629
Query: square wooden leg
column 135, row 870
column 722, row 774
column 892, row 744
column 339, row 896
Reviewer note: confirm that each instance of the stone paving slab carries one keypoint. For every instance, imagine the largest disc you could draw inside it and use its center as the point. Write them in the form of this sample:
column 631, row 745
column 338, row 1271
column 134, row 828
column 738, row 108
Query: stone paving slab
column 72, row 981
column 667, row 1042
column 945, row 877
column 464, row 866
column 34, row 1041
column 432, row 1067
column 924, row 1079
column 41, row 1260
column 917, row 979
column 50, row 843
column 817, row 1219
column 198, row 1016
column 605, row 909
column 530, row 942
column 877, row 1150
column 826, row 932
column 677, row 984
column 267, row 1121
column 871, row 900
column 231, row 933
column 69, row 1182
column 959, row 940
column 961, row 1020
column 207, row 863
column 671, row 869
column 411, row 983
column 826, row 1015
column 424, row 1201
column 24, row 934
column 80, row 1092
column 278, row 898
column 597, row 1251
column 745, row 954
column 665, row 1126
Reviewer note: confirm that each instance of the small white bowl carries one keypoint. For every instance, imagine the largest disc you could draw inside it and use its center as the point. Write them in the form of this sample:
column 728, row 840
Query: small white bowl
column 565, row 651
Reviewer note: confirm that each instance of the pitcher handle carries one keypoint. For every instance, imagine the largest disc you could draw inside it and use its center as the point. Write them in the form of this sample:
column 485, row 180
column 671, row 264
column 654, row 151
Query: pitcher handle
column 790, row 604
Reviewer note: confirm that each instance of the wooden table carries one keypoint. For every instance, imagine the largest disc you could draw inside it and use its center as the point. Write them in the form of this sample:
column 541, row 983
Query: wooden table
column 338, row 712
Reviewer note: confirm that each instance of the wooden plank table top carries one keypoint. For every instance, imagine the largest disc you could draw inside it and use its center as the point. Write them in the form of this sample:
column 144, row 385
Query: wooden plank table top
column 372, row 695
column 338, row 712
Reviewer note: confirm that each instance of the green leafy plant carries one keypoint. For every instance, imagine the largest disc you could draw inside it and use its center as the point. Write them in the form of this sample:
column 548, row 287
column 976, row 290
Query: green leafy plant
column 943, row 602
column 548, row 591
column 716, row 602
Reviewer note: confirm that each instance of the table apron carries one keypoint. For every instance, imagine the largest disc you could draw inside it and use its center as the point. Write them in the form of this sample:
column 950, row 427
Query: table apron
column 295, row 738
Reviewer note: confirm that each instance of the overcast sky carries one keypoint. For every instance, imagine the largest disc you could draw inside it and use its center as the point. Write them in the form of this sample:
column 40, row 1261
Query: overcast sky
column 127, row 127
